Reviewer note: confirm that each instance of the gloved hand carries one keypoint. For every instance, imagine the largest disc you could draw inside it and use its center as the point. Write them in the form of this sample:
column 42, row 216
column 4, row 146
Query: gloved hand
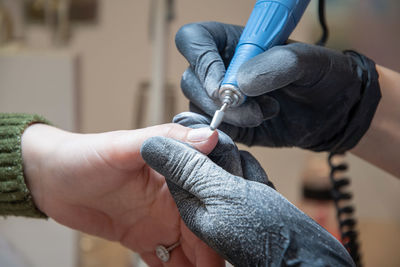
column 245, row 221
column 299, row 94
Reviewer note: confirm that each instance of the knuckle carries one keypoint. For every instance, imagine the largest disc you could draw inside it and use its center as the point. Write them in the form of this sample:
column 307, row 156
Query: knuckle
column 286, row 53
column 193, row 170
column 185, row 33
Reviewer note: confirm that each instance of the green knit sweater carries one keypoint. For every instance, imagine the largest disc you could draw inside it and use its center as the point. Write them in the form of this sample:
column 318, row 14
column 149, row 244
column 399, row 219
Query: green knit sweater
column 15, row 198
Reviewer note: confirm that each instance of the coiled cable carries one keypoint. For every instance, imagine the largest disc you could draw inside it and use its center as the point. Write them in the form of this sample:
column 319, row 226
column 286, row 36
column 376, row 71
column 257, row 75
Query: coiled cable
column 345, row 211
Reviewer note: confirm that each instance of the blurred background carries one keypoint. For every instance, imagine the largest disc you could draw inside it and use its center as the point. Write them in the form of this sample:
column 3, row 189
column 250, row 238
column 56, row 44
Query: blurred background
column 93, row 65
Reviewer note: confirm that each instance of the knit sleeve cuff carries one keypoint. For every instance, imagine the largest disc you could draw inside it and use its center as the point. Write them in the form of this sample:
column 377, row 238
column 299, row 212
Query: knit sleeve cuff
column 15, row 198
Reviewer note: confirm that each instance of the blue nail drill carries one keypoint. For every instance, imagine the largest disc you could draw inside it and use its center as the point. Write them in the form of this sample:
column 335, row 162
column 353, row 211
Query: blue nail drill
column 270, row 24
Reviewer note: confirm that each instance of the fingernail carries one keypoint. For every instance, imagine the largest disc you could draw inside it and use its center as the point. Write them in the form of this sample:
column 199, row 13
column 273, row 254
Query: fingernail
column 199, row 135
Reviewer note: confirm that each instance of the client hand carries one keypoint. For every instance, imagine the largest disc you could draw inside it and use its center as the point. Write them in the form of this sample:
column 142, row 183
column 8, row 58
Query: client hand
column 99, row 184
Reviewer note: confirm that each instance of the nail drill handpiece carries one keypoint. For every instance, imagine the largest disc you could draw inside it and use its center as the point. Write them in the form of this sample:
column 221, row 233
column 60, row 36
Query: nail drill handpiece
column 270, row 23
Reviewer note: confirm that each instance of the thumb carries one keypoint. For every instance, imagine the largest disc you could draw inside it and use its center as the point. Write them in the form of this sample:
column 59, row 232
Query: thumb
column 121, row 149
column 274, row 69
column 184, row 166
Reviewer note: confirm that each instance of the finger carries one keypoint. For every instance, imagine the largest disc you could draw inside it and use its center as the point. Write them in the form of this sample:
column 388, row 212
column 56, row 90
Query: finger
column 177, row 258
column 252, row 170
column 271, row 70
column 184, row 199
column 121, row 149
column 202, row 45
column 196, row 109
column 192, row 173
column 268, row 105
column 225, row 154
column 188, row 119
column 184, row 166
column 297, row 63
column 197, row 249
column 248, row 114
column 264, row 136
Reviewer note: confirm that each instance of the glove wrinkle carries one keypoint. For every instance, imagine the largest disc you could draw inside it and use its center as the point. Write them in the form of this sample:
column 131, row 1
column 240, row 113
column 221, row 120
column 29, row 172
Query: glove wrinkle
column 207, row 75
column 269, row 106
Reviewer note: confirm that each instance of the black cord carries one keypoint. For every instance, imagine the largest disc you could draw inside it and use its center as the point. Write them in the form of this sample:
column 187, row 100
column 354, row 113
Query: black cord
column 322, row 22
column 345, row 212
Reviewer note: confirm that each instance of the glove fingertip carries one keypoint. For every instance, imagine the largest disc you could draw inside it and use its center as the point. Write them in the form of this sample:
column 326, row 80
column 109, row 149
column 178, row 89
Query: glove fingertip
column 150, row 151
column 189, row 119
column 187, row 32
column 252, row 170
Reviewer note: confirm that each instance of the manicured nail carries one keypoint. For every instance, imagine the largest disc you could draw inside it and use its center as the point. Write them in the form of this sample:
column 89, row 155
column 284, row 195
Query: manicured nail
column 199, row 135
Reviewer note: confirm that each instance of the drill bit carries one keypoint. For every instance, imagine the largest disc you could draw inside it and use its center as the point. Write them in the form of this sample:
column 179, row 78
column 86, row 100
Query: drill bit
column 218, row 117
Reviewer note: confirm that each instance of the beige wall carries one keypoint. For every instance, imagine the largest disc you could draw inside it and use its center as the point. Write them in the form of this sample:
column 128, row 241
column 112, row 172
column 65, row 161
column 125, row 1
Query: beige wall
column 115, row 54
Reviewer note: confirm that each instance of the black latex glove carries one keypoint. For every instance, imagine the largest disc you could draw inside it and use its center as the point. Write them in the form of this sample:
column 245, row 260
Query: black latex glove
column 299, row 94
column 244, row 220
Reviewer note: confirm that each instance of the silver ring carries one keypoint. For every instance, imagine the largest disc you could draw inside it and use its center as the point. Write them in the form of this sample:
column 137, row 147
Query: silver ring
column 163, row 252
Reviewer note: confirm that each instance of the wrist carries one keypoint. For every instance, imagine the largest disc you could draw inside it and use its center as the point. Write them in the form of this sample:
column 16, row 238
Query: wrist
column 380, row 145
column 363, row 111
column 15, row 198
column 38, row 143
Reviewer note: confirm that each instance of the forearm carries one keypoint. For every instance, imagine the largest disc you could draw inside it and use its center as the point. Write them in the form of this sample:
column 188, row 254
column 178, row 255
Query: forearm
column 381, row 144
